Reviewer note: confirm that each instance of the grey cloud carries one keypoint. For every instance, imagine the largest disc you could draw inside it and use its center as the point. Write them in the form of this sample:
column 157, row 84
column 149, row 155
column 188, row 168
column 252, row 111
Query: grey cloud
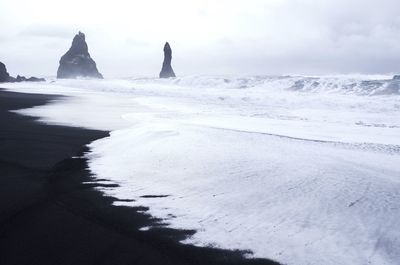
column 52, row 31
column 136, row 42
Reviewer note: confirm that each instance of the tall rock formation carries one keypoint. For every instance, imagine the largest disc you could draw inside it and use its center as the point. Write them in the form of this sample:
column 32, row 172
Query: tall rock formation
column 166, row 70
column 77, row 61
column 4, row 76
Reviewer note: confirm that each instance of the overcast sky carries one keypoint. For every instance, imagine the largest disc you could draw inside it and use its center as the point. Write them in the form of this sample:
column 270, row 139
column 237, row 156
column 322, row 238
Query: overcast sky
column 126, row 37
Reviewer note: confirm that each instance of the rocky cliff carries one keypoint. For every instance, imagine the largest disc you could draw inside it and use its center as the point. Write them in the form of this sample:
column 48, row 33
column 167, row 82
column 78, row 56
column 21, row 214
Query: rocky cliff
column 5, row 76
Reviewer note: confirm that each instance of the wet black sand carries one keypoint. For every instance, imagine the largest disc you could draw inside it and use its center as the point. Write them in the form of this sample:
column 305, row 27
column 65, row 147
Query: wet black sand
column 49, row 216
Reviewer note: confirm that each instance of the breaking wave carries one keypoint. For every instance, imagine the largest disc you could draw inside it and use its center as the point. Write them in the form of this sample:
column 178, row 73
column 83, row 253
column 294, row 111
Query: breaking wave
column 361, row 85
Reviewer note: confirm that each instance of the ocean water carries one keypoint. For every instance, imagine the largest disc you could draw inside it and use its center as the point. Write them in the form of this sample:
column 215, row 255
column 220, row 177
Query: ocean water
column 302, row 170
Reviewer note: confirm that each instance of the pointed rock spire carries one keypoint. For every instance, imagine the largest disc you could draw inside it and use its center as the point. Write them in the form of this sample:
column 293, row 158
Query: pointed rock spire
column 77, row 61
column 166, row 70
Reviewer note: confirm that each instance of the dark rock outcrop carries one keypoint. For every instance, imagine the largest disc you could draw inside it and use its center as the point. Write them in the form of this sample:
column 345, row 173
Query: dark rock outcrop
column 77, row 61
column 396, row 77
column 166, row 71
column 5, row 77
column 30, row 79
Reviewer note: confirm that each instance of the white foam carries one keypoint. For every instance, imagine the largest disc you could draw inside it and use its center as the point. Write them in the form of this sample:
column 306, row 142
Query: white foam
column 299, row 172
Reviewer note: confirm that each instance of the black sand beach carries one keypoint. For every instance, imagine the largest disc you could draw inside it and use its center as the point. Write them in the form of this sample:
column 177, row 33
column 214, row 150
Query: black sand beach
column 48, row 215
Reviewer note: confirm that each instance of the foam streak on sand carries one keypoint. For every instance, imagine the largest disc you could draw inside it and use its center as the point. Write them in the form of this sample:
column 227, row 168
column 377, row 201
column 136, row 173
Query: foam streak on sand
column 301, row 170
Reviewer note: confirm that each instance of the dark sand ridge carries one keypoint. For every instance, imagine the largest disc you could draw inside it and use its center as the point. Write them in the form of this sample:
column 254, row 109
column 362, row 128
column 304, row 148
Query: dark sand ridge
column 49, row 216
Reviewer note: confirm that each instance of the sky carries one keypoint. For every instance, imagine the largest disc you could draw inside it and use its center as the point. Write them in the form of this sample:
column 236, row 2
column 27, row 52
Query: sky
column 215, row 37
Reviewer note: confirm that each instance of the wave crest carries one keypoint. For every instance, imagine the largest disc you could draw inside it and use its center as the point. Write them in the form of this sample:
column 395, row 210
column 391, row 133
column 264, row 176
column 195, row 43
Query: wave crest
column 362, row 85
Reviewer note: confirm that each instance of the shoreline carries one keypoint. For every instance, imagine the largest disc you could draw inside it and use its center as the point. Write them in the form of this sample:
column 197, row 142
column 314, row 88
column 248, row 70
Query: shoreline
column 51, row 213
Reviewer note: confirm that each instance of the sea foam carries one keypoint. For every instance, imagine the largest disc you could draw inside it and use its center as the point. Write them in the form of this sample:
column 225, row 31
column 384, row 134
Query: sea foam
column 303, row 170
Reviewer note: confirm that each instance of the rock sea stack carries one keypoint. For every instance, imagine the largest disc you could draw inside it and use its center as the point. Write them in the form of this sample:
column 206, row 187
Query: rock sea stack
column 77, row 61
column 166, row 71
column 5, row 76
